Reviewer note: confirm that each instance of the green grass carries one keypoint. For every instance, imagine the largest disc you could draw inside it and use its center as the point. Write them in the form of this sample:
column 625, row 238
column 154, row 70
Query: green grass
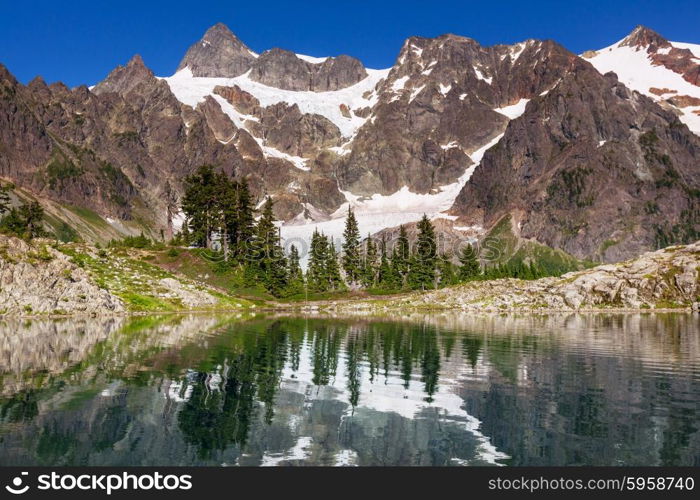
column 137, row 282
column 89, row 216
column 193, row 264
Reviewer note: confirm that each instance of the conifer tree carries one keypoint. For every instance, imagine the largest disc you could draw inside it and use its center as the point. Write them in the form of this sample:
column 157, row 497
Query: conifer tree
column 316, row 275
column 295, row 276
column 242, row 237
column 447, row 275
column 225, row 210
column 200, row 204
column 335, row 281
column 401, row 254
column 4, row 198
column 270, row 259
column 469, row 268
column 386, row 279
column 351, row 249
column 370, row 263
column 422, row 271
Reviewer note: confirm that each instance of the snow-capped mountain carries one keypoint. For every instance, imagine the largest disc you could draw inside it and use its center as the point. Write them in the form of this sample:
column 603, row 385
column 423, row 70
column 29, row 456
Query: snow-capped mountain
column 453, row 129
column 668, row 72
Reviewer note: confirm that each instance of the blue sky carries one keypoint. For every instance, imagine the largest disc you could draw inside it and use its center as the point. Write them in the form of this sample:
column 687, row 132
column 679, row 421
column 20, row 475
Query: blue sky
column 80, row 42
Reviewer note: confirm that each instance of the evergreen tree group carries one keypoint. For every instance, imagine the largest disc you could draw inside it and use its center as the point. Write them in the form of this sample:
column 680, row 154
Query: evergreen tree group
column 24, row 221
column 220, row 217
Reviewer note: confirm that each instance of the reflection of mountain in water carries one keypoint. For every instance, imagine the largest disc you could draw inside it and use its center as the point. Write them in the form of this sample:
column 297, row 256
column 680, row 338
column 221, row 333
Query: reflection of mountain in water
column 599, row 389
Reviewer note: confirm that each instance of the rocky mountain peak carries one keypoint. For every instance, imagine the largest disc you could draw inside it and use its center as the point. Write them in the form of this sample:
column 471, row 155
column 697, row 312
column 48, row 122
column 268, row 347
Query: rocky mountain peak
column 641, row 36
column 123, row 79
column 283, row 69
column 218, row 54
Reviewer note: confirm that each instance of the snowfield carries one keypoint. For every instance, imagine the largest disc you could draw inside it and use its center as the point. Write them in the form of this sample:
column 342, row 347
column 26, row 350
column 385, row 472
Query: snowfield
column 192, row 90
column 379, row 211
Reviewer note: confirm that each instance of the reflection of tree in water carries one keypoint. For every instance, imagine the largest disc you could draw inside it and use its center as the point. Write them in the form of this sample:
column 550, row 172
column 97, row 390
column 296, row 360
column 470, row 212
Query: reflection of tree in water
column 219, row 414
column 326, row 340
column 539, row 402
column 19, row 407
column 221, row 405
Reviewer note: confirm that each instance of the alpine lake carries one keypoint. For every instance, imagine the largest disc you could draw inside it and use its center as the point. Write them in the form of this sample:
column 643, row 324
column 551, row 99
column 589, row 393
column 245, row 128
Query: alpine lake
column 420, row 389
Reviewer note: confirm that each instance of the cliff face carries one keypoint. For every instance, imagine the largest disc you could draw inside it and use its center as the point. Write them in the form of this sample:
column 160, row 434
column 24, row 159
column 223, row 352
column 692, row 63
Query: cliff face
column 443, row 99
column 592, row 168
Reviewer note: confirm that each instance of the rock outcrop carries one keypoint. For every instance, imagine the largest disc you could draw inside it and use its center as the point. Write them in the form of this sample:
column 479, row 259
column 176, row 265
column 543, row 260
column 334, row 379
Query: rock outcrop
column 282, row 69
column 39, row 279
column 46, row 278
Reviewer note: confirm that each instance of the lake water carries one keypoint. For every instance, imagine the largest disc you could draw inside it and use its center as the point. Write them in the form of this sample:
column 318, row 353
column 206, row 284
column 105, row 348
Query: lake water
column 438, row 389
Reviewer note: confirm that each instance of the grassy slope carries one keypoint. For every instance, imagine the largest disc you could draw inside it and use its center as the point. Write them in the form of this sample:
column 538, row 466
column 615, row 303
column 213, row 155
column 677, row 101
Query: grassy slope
column 137, row 282
column 502, row 246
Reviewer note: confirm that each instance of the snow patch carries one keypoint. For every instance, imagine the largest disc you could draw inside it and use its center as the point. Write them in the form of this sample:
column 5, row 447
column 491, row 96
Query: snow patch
column 399, row 84
column 514, row 110
column 481, row 76
column 311, row 59
column 379, row 212
column 415, row 92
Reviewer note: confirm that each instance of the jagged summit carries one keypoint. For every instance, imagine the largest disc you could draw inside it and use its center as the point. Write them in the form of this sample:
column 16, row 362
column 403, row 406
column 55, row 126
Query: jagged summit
column 219, row 53
column 123, row 79
column 641, row 36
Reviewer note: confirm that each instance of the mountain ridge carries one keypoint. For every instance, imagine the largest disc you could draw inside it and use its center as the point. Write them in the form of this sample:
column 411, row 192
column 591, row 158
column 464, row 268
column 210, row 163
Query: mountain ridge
column 319, row 134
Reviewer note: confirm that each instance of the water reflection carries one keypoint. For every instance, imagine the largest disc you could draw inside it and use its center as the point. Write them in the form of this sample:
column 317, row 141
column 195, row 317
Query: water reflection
column 422, row 390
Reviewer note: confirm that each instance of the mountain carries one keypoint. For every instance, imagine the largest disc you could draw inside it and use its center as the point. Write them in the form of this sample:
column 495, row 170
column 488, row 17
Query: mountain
column 593, row 168
column 668, row 72
column 600, row 165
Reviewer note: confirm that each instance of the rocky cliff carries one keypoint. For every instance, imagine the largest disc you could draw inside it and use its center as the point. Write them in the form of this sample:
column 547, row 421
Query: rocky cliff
column 592, row 168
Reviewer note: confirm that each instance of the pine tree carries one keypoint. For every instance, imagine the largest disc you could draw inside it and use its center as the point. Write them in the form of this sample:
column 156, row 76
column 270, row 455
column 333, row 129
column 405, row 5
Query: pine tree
column 270, row 260
column 225, row 210
column 401, row 255
column 422, row 271
column 351, row 249
column 4, row 198
column 369, row 271
column 245, row 222
column 295, row 280
column 386, row 277
column 446, row 271
column 469, row 268
column 200, row 204
column 335, row 281
column 316, row 275
column 32, row 213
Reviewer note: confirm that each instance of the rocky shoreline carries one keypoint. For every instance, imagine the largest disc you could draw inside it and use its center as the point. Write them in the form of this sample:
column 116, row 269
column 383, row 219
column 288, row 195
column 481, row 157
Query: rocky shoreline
column 661, row 281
